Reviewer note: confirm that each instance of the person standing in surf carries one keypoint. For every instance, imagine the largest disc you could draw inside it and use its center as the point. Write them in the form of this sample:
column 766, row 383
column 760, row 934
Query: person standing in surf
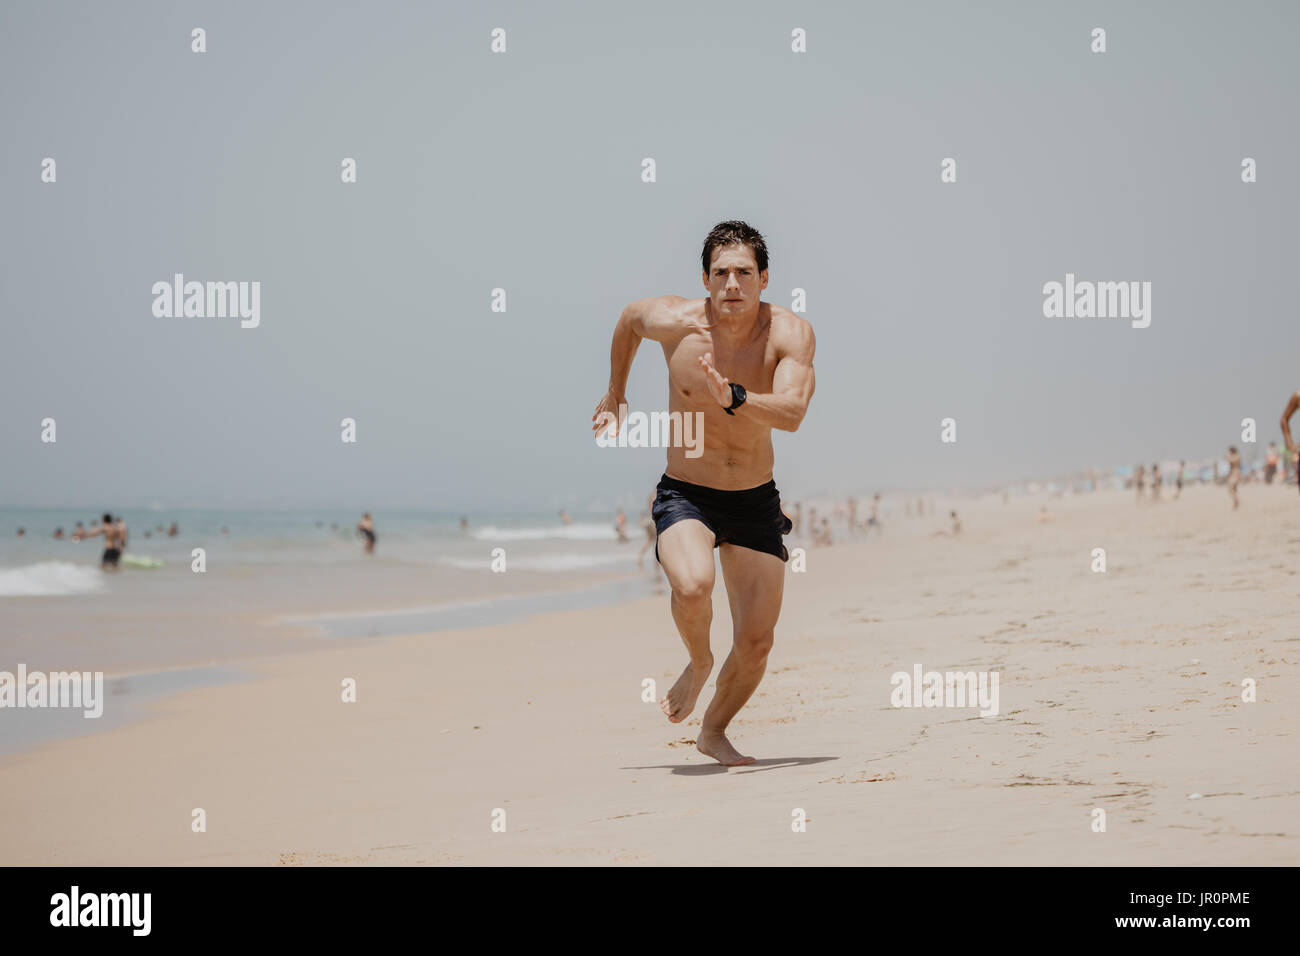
column 366, row 530
column 114, row 541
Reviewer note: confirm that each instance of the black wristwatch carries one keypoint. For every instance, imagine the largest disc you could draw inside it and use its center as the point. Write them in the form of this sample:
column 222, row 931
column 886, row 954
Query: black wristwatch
column 737, row 398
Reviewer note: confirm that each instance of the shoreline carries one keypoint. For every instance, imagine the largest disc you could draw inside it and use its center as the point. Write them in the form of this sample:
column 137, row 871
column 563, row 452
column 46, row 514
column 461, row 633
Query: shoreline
column 28, row 730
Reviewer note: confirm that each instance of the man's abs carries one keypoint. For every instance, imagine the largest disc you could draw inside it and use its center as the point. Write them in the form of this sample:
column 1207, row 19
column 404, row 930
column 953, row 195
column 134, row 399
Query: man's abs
column 723, row 465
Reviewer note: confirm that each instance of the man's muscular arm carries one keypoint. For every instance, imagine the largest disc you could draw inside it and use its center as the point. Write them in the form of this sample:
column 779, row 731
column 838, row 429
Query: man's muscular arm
column 643, row 319
column 792, row 384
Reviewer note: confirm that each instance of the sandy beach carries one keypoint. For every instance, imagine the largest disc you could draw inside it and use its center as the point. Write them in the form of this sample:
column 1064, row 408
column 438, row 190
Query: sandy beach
column 1119, row 690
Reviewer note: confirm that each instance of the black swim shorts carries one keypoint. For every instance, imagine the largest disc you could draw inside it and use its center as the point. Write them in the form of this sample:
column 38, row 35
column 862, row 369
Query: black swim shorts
column 751, row 518
column 111, row 556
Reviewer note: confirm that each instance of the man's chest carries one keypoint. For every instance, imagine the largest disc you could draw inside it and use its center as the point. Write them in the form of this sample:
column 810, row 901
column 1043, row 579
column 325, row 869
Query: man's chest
column 750, row 366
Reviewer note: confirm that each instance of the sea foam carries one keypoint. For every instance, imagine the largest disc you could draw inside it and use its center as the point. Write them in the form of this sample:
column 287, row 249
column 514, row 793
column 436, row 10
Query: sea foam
column 572, row 532
column 50, row 578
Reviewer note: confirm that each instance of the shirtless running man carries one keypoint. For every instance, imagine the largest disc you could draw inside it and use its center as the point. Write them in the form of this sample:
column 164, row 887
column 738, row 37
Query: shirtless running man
column 747, row 366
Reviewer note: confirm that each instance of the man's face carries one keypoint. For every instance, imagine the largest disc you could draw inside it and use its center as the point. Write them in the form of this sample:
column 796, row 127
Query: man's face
column 734, row 282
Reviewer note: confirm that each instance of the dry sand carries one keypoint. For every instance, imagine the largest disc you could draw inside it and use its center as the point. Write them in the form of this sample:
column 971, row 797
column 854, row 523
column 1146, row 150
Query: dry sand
column 1119, row 691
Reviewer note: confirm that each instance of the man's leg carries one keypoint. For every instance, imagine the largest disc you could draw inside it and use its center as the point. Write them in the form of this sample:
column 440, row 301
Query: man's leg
column 686, row 554
column 755, row 582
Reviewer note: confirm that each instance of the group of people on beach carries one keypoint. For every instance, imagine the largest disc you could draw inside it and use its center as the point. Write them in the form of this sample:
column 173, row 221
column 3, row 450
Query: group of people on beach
column 862, row 522
column 114, row 531
column 1233, row 479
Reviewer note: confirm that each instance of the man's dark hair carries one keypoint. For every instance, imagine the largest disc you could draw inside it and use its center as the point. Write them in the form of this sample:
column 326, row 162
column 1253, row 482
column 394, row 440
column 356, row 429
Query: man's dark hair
column 730, row 233
column 108, row 518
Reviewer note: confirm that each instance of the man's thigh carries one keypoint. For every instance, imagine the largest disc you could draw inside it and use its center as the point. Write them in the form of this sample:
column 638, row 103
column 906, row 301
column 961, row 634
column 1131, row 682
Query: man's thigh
column 755, row 584
column 686, row 554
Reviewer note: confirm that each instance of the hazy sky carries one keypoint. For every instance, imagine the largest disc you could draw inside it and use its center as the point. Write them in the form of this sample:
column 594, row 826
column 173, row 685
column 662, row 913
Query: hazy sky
column 522, row 170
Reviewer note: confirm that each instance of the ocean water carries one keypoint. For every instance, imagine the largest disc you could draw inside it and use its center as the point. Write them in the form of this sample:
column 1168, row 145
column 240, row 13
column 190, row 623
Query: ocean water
column 276, row 583
column 38, row 565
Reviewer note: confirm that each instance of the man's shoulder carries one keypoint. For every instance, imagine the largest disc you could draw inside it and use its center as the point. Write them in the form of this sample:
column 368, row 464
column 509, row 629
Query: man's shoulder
column 790, row 330
column 665, row 318
column 671, row 308
column 681, row 307
column 788, row 319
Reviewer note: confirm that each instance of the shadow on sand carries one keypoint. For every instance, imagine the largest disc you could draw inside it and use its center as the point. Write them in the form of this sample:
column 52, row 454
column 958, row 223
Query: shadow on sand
column 770, row 763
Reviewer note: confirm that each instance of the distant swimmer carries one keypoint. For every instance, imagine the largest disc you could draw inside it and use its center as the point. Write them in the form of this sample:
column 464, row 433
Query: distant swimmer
column 366, row 529
column 173, row 531
column 1234, row 475
column 1140, row 481
column 1155, row 481
column 565, row 517
column 1270, row 463
column 78, row 532
column 1182, row 467
column 58, row 532
column 620, row 526
column 726, row 497
column 464, row 524
column 21, row 532
column 113, row 543
column 1291, row 449
column 1044, row 515
column 873, row 519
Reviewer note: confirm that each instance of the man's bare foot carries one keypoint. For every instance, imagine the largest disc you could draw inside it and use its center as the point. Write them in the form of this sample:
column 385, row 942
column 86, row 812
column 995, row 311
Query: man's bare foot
column 681, row 697
column 719, row 748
